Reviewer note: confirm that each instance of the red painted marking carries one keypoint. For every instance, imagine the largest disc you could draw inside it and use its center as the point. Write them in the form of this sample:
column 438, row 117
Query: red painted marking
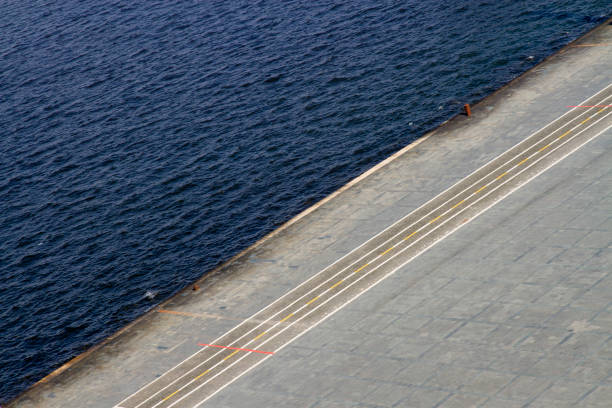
column 589, row 106
column 235, row 348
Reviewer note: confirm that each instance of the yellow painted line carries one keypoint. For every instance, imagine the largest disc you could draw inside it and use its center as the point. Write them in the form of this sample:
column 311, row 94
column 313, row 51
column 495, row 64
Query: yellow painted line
column 386, row 251
column 501, row 175
column 408, row 237
column 170, row 396
column 544, row 148
column 259, row 335
column 480, row 189
column 361, row 267
column 286, row 317
column 337, row 283
column 312, row 300
column 565, row 134
column 204, row 373
column 435, row 219
column 231, row 355
column 601, row 110
column 585, row 121
column 522, row 161
column 458, row 204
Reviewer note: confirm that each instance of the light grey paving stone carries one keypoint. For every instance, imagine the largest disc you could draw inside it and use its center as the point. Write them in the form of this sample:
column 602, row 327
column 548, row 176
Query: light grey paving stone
column 596, row 239
column 605, row 352
column 350, row 389
column 451, row 378
column 507, row 336
column 259, row 399
column 573, row 256
column 417, row 373
column 584, row 278
column 524, row 388
column 375, row 322
column 501, row 312
column 524, row 293
column 600, row 261
column 590, row 220
column 533, row 315
column 423, row 398
column 514, row 361
column 405, row 323
column 502, row 403
column 590, row 371
column 599, row 397
column 467, row 308
column 335, row 404
column 560, row 295
column 472, row 332
column 382, row 369
column 564, row 391
column 487, row 382
column 564, row 238
column 552, row 366
column 463, row 401
column 388, row 395
column 543, row 339
column 539, row 254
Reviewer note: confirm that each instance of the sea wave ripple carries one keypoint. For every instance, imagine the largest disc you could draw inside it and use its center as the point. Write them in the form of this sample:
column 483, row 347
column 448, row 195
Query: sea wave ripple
column 144, row 142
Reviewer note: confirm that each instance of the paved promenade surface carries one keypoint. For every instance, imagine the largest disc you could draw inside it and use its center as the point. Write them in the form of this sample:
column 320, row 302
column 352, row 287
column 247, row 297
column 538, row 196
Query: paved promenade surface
column 477, row 301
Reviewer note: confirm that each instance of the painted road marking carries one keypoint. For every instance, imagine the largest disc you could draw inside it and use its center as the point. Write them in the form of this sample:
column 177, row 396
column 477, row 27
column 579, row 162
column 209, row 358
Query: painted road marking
column 286, row 317
column 363, row 266
column 203, row 374
column 337, row 283
column 408, row 237
column 259, row 335
column 237, row 348
column 435, row 219
column 312, row 300
column 544, row 148
column 170, row 396
column 390, row 249
column 454, row 206
column 367, row 254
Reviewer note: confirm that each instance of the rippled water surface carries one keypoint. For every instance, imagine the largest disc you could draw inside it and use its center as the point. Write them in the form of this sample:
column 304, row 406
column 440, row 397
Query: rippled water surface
column 144, row 142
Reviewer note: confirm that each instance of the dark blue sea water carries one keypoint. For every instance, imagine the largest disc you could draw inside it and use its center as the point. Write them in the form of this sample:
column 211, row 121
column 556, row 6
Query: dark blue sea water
column 144, row 142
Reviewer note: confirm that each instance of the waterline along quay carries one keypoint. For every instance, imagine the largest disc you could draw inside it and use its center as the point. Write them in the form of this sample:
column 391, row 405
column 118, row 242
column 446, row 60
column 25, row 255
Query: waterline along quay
column 471, row 268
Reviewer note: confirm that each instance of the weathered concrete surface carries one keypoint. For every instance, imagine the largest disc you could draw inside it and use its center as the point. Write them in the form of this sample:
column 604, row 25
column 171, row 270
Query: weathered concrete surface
column 512, row 309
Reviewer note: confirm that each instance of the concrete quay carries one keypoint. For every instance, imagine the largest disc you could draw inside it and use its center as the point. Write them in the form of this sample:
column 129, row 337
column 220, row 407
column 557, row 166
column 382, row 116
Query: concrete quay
column 472, row 268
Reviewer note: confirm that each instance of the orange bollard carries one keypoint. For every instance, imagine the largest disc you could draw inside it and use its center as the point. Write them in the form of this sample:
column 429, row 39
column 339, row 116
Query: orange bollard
column 468, row 111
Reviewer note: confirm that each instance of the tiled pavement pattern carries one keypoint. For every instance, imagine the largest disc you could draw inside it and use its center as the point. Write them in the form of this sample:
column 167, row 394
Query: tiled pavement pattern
column 512, row 309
